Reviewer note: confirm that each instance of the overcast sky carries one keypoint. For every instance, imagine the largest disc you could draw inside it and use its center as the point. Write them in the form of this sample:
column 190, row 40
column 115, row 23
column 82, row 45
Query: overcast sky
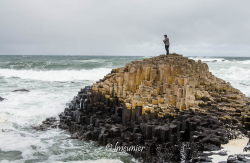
column 125, row 27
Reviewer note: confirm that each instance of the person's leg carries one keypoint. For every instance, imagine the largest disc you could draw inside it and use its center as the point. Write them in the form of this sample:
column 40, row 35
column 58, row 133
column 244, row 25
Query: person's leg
column 167, row 49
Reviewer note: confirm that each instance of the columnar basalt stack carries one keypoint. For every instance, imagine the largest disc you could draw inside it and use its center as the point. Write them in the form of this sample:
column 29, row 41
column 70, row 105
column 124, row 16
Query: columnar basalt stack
column 170, row 104
column 162, row 83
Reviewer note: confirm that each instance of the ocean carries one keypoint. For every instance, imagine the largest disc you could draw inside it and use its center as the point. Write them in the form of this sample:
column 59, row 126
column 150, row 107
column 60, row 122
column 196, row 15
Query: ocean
column 52, row 82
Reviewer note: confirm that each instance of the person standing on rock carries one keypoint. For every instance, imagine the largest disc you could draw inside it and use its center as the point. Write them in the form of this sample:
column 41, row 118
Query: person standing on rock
column 166, row 42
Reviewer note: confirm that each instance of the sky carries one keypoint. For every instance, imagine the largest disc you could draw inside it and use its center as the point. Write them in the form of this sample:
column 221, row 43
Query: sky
column 125, row 27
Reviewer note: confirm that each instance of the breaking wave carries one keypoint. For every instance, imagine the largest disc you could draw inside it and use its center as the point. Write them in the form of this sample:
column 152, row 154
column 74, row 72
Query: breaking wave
column 56, row 75
column 209, row 59
column 239, row 60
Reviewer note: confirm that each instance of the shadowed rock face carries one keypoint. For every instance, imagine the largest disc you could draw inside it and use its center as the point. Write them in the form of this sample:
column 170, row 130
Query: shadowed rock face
column 171, row 105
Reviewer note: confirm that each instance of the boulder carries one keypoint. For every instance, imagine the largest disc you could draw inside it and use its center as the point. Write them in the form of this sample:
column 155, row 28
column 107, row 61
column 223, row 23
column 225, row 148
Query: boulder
column 49, row 123
column 240, row 158
column 1, row 98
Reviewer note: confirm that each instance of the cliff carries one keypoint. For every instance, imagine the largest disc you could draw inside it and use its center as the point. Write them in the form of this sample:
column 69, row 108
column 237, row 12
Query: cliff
column 171, row 105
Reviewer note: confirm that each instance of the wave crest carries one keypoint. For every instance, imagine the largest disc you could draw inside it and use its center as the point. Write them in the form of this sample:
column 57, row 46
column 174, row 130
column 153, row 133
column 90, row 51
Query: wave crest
column 209, row 59
column 56, row 75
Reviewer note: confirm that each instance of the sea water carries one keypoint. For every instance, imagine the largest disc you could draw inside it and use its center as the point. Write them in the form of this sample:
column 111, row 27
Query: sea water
column 53, row 81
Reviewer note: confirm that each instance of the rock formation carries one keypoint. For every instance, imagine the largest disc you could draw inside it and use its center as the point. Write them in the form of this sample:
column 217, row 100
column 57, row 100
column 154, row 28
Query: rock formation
column 48, row 123
column 1, row 98
column 161, row 84
column 169, row 104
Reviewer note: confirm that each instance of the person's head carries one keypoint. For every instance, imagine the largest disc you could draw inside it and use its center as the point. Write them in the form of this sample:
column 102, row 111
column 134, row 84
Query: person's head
column 166, row 36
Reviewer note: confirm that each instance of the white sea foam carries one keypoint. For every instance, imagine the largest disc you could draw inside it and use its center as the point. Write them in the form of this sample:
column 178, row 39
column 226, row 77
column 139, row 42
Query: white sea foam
column 25, row 109
column 147, row 56
column 94, row 161
column 215, row 59
column 247, row 62
column 209, row 59
column 56, row 75
column 90, row 61
column 237, row 75
column 234, row 146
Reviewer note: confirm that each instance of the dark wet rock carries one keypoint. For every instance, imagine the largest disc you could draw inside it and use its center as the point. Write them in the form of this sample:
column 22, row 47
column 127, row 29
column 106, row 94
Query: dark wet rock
column 20, row 90
column 222, row 153
column 211, row 139
column 240, row 158
column 90, row 116
column 51, row 122
column 1, row 98
column 247, row 147
column 210, row 147
column 75, row 136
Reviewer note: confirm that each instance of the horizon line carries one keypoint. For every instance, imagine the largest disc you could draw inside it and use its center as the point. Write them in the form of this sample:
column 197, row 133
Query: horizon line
column 115, row 55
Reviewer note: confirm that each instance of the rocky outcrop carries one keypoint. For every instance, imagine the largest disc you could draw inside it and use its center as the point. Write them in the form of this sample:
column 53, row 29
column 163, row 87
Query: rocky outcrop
column 49, row 123
column 159, row 85
column 171, row 105
column 1, row 98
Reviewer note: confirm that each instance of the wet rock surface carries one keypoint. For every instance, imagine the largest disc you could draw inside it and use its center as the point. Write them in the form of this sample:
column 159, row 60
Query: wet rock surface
column 171, row 105
column 247, row 147
column 241, row 158
column 50, row 122
column 1, row 98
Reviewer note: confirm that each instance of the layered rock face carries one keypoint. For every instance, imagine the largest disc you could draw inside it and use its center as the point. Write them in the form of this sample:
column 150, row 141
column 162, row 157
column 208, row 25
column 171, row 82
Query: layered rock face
column 171, row 105
column 161, row 84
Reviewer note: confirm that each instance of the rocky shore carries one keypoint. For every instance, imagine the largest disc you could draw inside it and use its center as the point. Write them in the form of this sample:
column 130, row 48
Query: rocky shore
column 171, row 105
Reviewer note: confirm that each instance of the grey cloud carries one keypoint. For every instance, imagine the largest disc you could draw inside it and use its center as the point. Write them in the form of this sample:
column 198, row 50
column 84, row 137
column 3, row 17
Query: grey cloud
column 124, row 27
